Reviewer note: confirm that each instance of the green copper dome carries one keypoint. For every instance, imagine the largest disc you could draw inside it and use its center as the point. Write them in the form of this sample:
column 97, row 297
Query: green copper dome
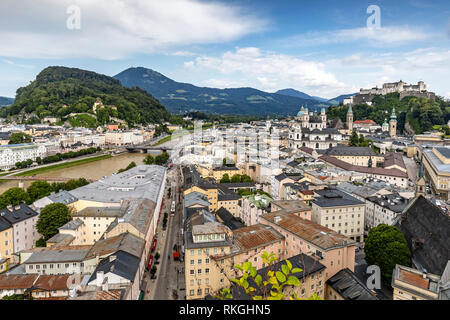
column 393, row 115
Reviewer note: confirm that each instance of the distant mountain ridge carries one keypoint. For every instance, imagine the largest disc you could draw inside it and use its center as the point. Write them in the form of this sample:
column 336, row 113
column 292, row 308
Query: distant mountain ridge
column 4, row 101
column 182, row 97
column 295, row 93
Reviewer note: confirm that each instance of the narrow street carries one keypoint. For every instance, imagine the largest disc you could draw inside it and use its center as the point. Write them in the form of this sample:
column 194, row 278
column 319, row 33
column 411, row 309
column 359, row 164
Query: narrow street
column 169, row 274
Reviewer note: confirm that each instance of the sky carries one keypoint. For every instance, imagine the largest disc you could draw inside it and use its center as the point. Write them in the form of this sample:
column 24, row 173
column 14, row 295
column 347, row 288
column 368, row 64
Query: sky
column 324, row 48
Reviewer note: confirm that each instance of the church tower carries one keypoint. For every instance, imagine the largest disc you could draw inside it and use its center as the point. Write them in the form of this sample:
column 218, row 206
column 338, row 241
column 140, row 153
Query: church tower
column 393, row 125
column 323, row 117
column 350, row 119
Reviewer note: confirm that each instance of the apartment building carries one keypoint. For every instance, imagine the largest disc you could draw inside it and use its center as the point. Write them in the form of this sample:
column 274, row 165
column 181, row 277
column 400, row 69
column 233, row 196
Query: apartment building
column 252, row 207
column 411, row 284
column 383, row 209
column 218, row 173
column 340, row 212
column 205, row 240
column 436, row 164
column 358, row 156
column 333, row 250
column 12, row 153
column 297, row 207
column 6, row 242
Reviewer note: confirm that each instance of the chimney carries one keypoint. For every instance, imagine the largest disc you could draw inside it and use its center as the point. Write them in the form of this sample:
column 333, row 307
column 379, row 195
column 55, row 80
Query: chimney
column 100, row 277
column 112, row 258
column 9, row 207
column 105, row 286
column 277, row 219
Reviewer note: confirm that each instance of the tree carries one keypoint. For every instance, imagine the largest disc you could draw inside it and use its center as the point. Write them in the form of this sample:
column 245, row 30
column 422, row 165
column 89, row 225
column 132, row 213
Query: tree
column 225, row 178
column 385, row 247
column 41, row 243
column 273, row 285
column 51, row 218
column 131, row 165
column 14, row 196
column 19, row 137
column 246, row 178
column 354, row 140
column 236, row 178
column 162, row 158
column 149, row 159
column 39, row 189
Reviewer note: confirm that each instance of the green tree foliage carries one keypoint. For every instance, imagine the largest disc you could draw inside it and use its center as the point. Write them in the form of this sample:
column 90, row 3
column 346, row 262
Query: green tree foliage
column 159, row 130
column 237, row 178
column 420, row 113
column 41, row 243
column 39, row 189
column 354, row 141
column 19, row 137
column 225, row 178
column 14, row 196
column 149, row 159
column 162, row 158
column 385, row 247
column 13, row 297
column 273, row 285
column 52, row 217
column 78, row 89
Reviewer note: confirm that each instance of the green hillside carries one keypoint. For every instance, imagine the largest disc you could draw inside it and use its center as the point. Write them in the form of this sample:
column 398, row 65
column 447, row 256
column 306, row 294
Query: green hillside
column 61, row 91
column 421, row 114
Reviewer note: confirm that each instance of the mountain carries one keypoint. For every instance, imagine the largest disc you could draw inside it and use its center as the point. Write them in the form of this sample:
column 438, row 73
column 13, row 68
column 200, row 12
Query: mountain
column 340, row 98
column 177, row 96
column 6, row 101
column 295, row 93
column 60, row 91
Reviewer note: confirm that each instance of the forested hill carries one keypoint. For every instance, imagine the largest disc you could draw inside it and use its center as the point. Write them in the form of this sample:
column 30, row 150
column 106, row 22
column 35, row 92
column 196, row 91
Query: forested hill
column 421, row 114
column 60, row 91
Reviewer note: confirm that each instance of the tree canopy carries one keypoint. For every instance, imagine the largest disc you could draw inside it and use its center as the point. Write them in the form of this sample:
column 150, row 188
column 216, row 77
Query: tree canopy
column 19, row 137
column 385, row 247
column 52, row 217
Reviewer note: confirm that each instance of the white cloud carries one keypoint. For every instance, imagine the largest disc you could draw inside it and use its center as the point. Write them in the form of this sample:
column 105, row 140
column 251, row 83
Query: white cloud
column 182, row 54
column 271, row 71
column 112, row 29
column 393, row 35
column 367, row 70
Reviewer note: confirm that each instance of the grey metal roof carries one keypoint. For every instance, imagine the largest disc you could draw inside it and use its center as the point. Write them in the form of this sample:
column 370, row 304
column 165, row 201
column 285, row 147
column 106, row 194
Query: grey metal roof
column 335, row 198
column 124, row 265
column 349, row 286
column 71, row 225
column 435, row 161
column 350, row 151
column 62, row 197
column 62, row 255
column 18, row 213
column 140, row 182
column 393, row 202
column 195, row 198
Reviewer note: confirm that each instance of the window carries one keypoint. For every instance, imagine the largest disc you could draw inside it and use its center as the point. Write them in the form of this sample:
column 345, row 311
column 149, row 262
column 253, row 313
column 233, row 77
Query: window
column 192, row 272
column 199, row 292
column 199, row 271
column 191, row 282
column 192, row 252
column 191, row 292
column 207, row 260
column 207, row 270
column 192, row 262
column 199, row 261
column 206, row 290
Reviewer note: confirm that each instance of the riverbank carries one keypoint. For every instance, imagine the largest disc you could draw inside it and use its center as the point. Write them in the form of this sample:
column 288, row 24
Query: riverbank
column 62, row 165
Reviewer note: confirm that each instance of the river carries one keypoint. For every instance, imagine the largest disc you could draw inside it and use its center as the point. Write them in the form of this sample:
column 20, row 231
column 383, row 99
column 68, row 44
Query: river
column 93, row 170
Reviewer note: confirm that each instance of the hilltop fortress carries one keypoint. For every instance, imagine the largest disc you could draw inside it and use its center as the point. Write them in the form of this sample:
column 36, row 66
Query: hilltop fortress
column 366, row 95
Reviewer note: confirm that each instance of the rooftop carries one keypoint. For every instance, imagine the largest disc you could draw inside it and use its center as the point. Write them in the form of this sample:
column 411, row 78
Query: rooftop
column 309, row 231
column 140, row 182
column 255, row 236
column 349, row 286
column 335, row 198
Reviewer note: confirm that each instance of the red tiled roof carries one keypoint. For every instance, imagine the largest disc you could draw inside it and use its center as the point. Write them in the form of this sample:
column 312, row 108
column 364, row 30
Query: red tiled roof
column 306, row 149
column 364, row 122
column 375, row 170
column 52, row 282
column 310, row 231
column 19, row 281
column 414, row 279
column 255, row 236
